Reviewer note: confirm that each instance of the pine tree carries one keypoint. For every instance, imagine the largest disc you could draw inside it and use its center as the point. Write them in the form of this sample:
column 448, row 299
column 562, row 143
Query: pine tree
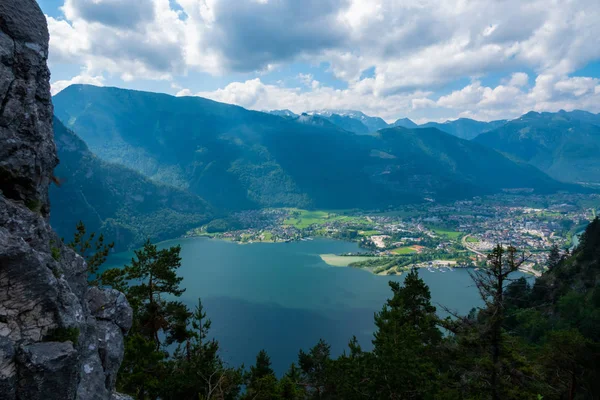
column 554, row 258
column 315, row 368
column 98, row 255
column 261, row 383
column 491, row 282
column 154, row 276
column 405, row 341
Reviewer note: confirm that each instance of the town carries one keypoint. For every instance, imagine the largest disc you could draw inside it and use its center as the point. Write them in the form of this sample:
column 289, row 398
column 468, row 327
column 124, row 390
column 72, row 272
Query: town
column 428, row 235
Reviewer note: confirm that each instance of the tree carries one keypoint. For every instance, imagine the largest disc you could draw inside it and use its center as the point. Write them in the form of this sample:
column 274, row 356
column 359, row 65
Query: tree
column 153, row 274
column 97, row 257
column 315, row 367
column 554, row 258
column 196, row 371
column 405, row 341
column 261, row 383
column 490, row 282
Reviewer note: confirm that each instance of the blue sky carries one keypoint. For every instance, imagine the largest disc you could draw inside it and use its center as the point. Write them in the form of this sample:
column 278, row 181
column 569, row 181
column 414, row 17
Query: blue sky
column 426, row 60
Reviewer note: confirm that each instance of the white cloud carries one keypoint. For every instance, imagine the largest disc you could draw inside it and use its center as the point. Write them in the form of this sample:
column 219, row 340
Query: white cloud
column 413, row 48
column 510, row 100
column 255, row 94
column 84, row 78
column 518, row 79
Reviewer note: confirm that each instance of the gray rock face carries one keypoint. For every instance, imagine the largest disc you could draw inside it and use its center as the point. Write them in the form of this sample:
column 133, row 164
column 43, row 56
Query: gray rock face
column 59, row 339
column 47, row 369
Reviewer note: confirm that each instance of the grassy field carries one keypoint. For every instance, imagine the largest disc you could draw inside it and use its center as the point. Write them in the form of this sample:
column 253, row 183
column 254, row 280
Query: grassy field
column 472, row 239
column 268, row 236
column 446, row 233
column 305, row 218
column 302, row 219
column 368, row 233
column 342, row 261
column 404, row 250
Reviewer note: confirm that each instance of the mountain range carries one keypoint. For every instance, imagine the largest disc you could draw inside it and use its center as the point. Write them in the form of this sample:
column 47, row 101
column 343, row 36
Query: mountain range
column 122, row 204
column 362, row 124
column 565, row 145
column 239, row 159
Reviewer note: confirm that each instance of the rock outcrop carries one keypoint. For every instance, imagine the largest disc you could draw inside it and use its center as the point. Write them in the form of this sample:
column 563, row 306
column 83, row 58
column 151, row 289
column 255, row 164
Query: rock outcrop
column 59, row 339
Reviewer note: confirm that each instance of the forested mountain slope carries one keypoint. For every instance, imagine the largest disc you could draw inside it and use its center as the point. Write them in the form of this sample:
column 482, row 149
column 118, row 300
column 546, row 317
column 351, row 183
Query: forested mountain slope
column 564, row 145
column 236, row 158
column 464, row 128
column 111, row 199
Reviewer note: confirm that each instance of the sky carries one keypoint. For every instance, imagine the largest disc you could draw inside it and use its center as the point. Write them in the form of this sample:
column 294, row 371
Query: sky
column 428, row 60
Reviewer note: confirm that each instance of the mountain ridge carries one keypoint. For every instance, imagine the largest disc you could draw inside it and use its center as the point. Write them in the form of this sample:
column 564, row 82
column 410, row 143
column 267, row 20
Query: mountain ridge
column 564, row 145
column 111, row 199
column 239, row 159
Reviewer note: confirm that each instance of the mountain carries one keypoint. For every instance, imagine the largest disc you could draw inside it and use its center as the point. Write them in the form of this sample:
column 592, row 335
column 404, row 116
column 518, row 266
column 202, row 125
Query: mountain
column 405, row 123
column 109, row 198
column 583, row 116
column 464, row 128
column 372, row 123
column 561, row 144
column 315, row 120
column 237, row 159
column 431, row 161
column 283, row 113
column 349, row 124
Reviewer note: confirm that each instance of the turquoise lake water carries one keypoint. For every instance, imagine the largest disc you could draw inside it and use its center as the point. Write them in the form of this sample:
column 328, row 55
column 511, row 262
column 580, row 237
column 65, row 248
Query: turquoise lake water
column 282, row 297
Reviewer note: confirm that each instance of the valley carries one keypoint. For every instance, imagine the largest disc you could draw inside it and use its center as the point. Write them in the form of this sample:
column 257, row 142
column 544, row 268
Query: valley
column 430, row 235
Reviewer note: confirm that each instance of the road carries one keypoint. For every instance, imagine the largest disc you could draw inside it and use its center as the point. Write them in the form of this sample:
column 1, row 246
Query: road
column 527, row 268
column 465, row 243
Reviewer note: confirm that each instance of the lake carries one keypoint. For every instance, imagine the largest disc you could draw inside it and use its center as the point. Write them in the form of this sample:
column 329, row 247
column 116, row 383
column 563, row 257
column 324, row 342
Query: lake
column 282, row 297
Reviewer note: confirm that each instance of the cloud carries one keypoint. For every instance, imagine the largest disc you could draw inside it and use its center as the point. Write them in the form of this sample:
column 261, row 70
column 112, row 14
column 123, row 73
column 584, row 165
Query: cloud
column 410, row 48
column 509, row 100
column 113, row 13
column 518, row 79
column 249, row 35
column 257, row 95
column 411, row 44
column 58, row 86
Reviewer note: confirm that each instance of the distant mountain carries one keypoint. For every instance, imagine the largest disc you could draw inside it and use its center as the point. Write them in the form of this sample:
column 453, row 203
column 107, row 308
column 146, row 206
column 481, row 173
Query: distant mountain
column 283, row 113
column 372, row 123
column 124, row 205
column 236, row 158
column 443, row 164
column 349, row 124
column 583, row 116
column 315, row 120
column 405, row 123
column 564, row 144
column 464, row 128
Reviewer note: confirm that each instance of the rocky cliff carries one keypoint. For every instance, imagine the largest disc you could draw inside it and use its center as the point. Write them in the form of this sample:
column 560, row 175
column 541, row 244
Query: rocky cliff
column 59, row 339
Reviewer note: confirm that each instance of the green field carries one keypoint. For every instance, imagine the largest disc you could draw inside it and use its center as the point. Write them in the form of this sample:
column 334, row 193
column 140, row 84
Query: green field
column 472, row 239
column 305, row 218
column 446, row 233
column 404, row 250
column 302, row 219
column 342, row 261
column 268, row 236
column 369, row 233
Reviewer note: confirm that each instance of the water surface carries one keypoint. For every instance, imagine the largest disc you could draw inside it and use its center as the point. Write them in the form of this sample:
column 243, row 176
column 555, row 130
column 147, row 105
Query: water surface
column 282, row 297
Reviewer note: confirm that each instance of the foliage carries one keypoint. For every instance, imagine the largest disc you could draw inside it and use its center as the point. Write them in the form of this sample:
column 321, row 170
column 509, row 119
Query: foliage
column 121, row 204
column 168, row 354
column 566, row 145
column 100, row 250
